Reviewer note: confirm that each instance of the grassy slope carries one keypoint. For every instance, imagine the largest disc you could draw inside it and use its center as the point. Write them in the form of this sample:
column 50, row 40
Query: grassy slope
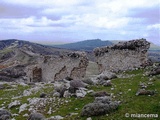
column 87, row 45
column 130, row 102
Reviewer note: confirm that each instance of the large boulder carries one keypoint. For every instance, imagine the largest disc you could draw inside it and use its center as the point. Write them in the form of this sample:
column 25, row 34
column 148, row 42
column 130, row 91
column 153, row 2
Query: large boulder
column 61, row 90
column 155, row 71
column 105, row 78
column 36, row 116
column 5, row 115
column 77, row 84
column 88, row 81
column 80, row 93
column 94, row 109
column 106, row 75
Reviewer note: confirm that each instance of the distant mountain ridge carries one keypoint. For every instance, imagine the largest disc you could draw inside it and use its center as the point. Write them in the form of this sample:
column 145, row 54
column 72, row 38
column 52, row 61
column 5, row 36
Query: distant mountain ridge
column 24, row 51
column 86, row 45
column 34, row 47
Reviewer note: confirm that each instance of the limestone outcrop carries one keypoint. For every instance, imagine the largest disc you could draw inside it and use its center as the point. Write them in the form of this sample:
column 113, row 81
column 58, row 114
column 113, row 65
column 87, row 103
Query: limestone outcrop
column 122, row 56
column 13, row 73
column 50, row 68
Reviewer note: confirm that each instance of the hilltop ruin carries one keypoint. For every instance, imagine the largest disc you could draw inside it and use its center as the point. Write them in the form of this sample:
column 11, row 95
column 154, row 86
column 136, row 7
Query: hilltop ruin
column 122, row 56
column 52, row 68
column 48, row 68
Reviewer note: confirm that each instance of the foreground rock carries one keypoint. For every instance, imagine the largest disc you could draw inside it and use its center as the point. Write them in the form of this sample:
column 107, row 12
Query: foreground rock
column 122, row 56
column 106, row 75
column 5, row 115
column 77, row 84
column 101, row 106
column 145, row 92
column 155, row 71
column 58, row 117
column 36, row 116
column 71, row 88
column 14, row 104
column 100, row 94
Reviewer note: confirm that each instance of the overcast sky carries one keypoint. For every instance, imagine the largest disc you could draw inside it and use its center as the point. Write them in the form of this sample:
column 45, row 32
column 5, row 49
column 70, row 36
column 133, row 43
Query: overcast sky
column 75, row 20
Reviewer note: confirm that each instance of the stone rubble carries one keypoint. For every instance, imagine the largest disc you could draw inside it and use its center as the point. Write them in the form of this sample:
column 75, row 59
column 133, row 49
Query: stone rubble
column 58, row 117
column 13, row 104
column 23, row 107
column 4, row 114
column 66, row 86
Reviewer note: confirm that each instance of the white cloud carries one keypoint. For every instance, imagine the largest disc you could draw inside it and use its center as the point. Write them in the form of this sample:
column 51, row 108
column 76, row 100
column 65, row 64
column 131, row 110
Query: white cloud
column 79, row 18
column 46, row 3
column 155, row 26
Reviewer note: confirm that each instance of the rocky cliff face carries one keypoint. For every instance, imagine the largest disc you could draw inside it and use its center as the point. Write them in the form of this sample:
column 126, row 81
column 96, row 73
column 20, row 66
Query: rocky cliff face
column 122, row 56
column 50, row 68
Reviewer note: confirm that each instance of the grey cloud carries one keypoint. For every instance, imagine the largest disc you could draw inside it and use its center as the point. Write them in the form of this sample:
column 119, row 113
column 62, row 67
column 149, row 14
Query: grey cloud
column 16, row 11
column 151, row 15
column 10, row 11
column 63, row 25
column 66, row 23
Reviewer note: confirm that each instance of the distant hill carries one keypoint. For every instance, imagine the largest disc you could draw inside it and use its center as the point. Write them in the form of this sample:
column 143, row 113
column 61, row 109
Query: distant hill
column 24, row 52
column 154, row 47
column 34, row 47
column 86, row 45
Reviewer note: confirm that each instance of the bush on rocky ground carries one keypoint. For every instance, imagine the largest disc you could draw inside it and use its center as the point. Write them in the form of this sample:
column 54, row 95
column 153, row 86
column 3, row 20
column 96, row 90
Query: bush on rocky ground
column 101, row 106
column 145, row 92
column 100, row 94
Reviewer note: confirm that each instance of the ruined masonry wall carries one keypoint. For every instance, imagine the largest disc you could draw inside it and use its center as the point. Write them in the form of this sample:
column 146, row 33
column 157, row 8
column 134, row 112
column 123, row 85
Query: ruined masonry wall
column 122, row 56
column 57, row 68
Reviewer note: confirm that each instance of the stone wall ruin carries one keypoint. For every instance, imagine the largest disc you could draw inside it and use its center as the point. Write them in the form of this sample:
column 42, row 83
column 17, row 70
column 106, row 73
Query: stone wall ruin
column 122, row 56
column 51, row 68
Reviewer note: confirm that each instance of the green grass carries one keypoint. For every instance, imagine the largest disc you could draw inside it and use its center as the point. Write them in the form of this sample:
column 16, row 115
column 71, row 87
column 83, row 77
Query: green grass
column 5, row 51
column 8, row 94
column 130, row 103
